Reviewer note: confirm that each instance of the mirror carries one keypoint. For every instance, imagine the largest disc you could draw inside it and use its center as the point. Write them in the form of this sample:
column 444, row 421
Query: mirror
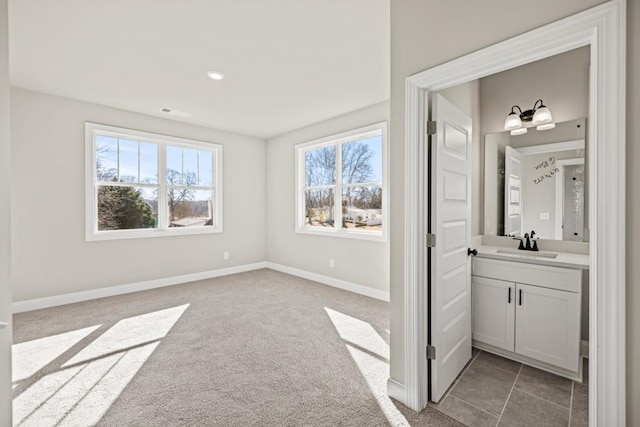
column 537, row 181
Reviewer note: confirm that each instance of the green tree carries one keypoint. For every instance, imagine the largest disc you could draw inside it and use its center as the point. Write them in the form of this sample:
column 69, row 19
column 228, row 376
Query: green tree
column 122, row 208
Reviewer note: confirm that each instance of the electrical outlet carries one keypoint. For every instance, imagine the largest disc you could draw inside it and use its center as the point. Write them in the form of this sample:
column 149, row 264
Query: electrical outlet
column 545, row 216
column 225, row 255
column 332, row 263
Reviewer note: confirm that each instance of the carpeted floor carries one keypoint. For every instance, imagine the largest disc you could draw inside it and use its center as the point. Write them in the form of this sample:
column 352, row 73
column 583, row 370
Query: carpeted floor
column 257, row 348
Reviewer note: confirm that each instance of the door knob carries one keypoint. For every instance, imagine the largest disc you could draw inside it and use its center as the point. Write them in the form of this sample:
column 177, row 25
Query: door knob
column 473, row 252
column 3, row 324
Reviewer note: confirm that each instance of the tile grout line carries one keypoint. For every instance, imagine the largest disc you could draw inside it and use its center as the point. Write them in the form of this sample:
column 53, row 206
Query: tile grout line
column 545, row 400
column 474, row 406
column 509, row 397
column 573, row 384
column 473, row 359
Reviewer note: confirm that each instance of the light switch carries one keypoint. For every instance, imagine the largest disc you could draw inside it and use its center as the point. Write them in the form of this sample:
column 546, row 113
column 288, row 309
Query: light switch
column 544, row 216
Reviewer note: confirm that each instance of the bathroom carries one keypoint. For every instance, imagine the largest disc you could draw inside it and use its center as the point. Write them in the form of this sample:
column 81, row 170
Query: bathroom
column 529, row 292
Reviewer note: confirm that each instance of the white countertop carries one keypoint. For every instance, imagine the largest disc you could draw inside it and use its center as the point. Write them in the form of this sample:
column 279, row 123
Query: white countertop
column 564, row 259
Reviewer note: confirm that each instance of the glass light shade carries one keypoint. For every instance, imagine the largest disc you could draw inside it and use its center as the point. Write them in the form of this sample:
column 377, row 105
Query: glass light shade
column 519, row 131
column 541, row 116
column 546, row 126
column 513, row 121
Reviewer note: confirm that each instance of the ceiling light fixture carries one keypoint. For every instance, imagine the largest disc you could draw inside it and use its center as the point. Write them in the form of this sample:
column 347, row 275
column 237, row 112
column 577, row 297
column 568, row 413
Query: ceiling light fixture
column 539, row 116
column 215, row 75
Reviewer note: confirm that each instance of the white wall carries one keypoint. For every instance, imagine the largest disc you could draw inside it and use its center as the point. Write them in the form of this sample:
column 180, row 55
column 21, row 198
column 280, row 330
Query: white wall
column 361, row 262
column 541, row 197
column 49, row 253
column 561, row 81
column 5, row 226
column 425, row 33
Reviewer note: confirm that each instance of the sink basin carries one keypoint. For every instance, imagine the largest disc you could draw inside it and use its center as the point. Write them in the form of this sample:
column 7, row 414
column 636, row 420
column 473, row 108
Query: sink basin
column 532, row 254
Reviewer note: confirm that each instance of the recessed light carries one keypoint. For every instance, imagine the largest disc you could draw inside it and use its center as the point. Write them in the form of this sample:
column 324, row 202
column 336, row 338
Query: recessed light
column 215, row 75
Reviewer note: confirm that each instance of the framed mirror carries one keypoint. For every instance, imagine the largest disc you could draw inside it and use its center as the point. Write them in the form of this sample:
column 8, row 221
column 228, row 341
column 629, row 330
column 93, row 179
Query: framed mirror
column 537, row 181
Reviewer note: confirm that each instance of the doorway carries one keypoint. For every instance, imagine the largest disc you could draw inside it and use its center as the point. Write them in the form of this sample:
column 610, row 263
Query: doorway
column 601, row 29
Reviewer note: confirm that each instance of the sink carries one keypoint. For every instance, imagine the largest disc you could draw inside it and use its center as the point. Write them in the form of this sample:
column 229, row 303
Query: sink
column 532, row 254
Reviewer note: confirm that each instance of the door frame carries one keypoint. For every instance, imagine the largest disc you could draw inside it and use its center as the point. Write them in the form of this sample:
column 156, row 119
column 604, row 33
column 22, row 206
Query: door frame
column 603, row 28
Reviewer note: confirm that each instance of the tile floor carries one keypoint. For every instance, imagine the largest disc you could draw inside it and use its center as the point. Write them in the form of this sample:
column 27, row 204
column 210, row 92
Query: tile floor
column 494, row 391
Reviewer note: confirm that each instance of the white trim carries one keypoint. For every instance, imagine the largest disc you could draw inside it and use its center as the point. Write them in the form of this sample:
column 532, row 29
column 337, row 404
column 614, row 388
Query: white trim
column 396, row 390
column 337, row 140
column 551, row 148
column 560, row 193
column 331, row 281
column 91, row 183
column 604, row 29
column 36, row 304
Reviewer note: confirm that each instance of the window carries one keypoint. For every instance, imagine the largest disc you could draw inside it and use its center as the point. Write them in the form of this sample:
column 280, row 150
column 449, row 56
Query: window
column 341, row 184
column 140, row 184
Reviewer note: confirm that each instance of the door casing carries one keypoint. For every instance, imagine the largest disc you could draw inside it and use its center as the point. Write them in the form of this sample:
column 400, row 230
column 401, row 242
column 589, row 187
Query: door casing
column 603, row 28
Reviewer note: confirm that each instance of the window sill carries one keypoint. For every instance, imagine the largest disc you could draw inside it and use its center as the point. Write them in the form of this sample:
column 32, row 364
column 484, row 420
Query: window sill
column 144, row 234
column 348, row 234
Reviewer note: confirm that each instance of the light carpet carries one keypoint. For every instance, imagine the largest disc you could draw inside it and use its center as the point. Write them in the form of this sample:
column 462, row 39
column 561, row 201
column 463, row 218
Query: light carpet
column 259, row 348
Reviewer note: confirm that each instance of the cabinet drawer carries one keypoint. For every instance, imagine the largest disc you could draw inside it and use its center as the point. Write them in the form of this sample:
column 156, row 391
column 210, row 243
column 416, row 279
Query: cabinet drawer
column 565, row 279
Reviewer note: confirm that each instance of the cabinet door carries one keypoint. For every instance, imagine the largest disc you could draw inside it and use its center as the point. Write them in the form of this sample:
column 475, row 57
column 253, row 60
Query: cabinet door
column 548, row 325
column 493, row 312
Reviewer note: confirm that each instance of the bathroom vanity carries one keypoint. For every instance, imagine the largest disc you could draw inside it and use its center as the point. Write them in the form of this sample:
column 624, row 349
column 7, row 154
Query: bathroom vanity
column 527, row 307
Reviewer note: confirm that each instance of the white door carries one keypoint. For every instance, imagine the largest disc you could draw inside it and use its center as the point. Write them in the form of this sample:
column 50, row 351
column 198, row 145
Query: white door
column 450, row 281
column 493, row 309
column 548, row 325
column 512, row 192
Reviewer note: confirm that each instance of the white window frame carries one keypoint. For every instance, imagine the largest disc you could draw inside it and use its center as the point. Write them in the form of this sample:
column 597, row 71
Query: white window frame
column 92, row 130
column 337, row 140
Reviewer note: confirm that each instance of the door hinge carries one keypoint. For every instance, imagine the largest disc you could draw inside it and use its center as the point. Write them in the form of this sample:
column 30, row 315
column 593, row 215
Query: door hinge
column 431, row 240
column 431, row 127
column 431, row 352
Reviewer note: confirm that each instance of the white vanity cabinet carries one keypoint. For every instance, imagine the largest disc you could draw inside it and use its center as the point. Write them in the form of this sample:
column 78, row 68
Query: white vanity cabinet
column 528, row 312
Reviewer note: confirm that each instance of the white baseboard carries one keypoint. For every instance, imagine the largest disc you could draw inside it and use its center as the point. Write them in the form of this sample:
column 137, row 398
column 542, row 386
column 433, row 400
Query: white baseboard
column 584, row 348
column 36, row 304
column 396, row 390
column 331, row 281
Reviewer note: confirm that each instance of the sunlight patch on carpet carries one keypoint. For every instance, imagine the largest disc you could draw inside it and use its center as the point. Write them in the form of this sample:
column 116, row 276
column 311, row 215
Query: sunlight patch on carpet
column 31, row 356
column 80, row 391
column 371, row 354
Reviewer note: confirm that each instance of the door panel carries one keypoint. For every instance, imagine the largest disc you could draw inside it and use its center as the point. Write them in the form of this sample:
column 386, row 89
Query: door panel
column 493, row 309
column 450, row 281
column 548, row 325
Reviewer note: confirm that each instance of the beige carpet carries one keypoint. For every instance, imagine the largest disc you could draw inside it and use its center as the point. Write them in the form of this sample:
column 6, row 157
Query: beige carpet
column 257, row 348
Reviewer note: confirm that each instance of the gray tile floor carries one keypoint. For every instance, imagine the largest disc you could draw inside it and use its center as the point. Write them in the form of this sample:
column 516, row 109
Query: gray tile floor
column 494, row 391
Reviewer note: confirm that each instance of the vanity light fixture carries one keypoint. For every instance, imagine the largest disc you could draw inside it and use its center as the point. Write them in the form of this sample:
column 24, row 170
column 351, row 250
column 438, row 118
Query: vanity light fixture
column 539, row 116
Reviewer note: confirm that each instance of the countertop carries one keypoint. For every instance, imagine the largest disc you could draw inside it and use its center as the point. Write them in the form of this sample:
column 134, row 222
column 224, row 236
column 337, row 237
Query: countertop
column 564, row 259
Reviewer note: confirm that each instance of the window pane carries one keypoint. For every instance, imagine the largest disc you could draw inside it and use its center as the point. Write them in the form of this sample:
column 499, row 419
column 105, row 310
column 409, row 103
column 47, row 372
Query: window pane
column 190, row 176
column 148, row 163
column 206, row 168
column 362, row 160
column 128, row 160
column 106, row 158
column 174, row 165
column 319, row 208
column 362, row 208
column 320, row 166
column 124, row 208
column 190, row 208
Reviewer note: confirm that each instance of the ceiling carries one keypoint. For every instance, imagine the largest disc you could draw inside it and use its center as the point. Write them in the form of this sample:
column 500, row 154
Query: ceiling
column 288, row 63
